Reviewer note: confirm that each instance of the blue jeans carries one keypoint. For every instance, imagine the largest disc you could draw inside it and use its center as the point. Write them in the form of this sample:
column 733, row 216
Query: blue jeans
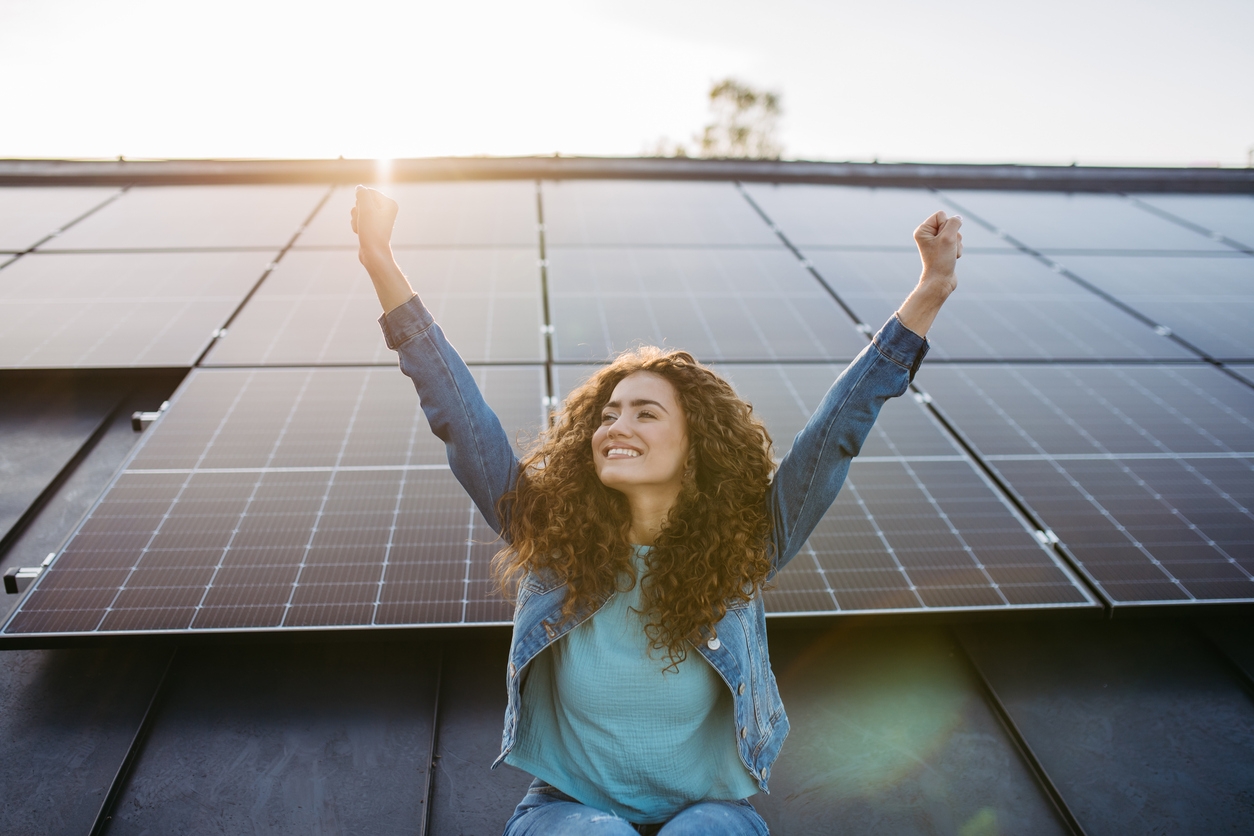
column 547, row 811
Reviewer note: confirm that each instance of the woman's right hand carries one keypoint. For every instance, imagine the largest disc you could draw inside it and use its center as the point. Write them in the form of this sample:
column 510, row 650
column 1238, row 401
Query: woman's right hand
column 372, row 220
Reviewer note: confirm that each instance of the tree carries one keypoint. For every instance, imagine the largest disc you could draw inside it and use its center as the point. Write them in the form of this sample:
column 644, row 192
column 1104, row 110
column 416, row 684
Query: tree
column 743, row 122
column 742, row 125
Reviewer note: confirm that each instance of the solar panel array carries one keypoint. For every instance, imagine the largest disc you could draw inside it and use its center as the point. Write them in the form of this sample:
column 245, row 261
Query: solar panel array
column 1090, row 383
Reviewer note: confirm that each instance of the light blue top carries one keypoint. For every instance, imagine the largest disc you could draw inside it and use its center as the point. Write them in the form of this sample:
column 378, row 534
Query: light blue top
column 603, row 723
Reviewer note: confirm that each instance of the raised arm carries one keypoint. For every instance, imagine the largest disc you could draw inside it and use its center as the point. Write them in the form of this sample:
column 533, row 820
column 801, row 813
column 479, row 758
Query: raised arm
column 810, row 476
column 479, row 452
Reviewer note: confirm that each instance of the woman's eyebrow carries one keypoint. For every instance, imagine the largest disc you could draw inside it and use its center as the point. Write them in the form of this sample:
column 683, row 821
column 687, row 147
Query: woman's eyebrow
column 635, row 403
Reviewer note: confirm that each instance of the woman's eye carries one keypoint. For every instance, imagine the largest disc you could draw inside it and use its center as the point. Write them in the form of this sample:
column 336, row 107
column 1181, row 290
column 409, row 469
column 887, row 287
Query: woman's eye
column 647, row 415
column 607, row 419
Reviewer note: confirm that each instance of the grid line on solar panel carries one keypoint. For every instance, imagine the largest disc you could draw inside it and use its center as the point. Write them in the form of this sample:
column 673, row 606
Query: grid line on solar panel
column 319, row 307
column 333, row 509
column 624, row 213
column 109, row 309
column 1048, row 222
column 458, row 214
column 917, row 525
column 1145, row 474
column 1206, row 301
column 1009, row 306
column 717, row 303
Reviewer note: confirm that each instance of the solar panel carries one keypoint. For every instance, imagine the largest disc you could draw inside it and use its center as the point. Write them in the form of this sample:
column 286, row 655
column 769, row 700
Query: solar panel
column 1008, row 305
column 283, row 498
column 627, row 212
column 1231, row 215
column 856, row 218
column 1058, row 222
column 1146, row 473
column 28, row 215
column 195, row 217
column 460, row 214
column 1207, row 301
column 916, row 527
column 100, row 310
column 718, row 303
column 319, row 307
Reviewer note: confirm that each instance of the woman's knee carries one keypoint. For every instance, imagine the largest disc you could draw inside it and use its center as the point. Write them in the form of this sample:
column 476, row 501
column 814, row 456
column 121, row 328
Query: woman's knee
column 733, row 818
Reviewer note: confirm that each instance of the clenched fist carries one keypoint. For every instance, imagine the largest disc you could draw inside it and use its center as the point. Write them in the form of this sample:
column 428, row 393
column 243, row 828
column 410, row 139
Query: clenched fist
column 372, row 219
column 940, row 245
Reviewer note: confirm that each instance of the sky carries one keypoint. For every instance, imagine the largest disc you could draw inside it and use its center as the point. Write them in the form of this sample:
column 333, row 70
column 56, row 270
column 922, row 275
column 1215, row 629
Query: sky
column 1098, row 82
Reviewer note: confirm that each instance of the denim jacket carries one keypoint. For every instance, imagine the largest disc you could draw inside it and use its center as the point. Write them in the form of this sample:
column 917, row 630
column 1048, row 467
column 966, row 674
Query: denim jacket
column 801, row 491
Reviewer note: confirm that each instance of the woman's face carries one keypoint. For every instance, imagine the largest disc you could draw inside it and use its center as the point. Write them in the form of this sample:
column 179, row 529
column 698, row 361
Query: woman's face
column 642, row 444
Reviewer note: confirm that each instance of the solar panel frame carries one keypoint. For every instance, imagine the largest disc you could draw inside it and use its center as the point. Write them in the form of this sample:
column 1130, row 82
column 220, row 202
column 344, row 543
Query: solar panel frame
column 29, row 214
column 195, row 217
column 1009, row 306
column 583, row 213
column 318, row 307
column 718, row 303
column 1145, row 503
column 917, row 528
column 1058, row 222
column 484, row 213
column 253, row 478
column 108, row 310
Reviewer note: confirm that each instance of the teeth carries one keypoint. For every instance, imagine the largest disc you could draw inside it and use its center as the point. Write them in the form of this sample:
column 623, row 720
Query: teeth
column 622, row 452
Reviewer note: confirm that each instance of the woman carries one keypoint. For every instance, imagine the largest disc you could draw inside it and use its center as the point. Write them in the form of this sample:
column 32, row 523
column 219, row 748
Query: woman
column 639, row 529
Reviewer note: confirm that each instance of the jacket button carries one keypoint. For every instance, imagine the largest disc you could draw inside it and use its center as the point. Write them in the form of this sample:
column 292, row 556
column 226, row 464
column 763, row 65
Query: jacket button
column 739, row 690
column 744, row 732
column 714, row 643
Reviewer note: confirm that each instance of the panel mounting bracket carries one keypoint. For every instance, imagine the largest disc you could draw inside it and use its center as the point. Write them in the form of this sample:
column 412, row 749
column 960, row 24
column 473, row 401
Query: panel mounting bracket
column 18, row 578
column 141, row 420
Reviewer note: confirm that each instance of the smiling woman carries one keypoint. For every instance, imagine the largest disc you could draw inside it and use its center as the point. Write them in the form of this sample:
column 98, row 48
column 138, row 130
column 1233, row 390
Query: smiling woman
column 641, row 527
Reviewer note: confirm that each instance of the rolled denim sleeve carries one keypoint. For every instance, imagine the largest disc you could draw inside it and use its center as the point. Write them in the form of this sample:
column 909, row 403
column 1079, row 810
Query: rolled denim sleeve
column 479, row 452
column 810, row 476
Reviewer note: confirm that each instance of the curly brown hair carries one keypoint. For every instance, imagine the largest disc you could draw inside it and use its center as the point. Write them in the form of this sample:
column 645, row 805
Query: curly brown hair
column 713, row 549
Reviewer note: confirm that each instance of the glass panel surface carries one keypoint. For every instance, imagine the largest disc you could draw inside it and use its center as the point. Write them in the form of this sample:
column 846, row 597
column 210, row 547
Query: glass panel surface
column 318, row 307
column 1055, row 221
column 195, row 217
column 268, row 499
column 466, row 214
column 629, row 212
column 119, row 309
column 1007, row 306
column 855, row 216
column 1207, row 301
column 720, row 304
column 30, row 214
column 1145, row 473
column 1227, row 214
